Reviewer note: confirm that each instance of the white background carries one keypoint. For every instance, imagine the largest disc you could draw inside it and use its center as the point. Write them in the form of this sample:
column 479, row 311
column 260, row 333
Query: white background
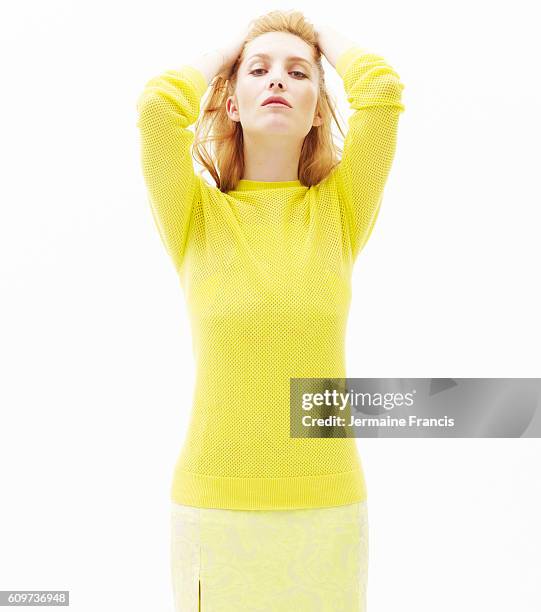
column 97, row 371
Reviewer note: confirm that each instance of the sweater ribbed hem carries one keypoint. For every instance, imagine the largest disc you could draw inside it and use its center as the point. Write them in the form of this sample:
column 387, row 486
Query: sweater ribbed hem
column 190, row 489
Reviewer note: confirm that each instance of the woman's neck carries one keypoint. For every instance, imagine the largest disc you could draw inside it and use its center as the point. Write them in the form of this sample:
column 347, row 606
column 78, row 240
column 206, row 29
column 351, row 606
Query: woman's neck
column 271, row 160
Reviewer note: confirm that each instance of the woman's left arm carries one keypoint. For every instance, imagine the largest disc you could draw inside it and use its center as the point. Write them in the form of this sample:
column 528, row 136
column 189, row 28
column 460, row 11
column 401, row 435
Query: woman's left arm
column 373, row 91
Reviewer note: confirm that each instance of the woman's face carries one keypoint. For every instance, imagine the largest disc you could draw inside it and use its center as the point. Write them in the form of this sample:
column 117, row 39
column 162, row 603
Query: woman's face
column 278, row 74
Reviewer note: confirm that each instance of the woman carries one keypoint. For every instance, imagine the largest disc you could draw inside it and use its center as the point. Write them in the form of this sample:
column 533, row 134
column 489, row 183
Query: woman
column 262, row 520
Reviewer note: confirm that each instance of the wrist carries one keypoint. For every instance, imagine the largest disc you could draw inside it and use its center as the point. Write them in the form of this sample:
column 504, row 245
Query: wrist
column 210, row 63
column 333, row 44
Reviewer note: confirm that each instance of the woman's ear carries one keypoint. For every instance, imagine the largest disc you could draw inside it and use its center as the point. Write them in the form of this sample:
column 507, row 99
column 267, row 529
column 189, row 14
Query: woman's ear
column 231, row 108
column 317, row 121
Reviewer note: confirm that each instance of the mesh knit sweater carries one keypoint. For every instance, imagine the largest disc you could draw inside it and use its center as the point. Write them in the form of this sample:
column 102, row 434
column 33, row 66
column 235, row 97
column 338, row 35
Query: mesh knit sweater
column 266, row 273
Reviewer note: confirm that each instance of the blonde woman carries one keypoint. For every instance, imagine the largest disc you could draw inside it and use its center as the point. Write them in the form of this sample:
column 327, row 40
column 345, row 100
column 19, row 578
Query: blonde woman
column 263, row 521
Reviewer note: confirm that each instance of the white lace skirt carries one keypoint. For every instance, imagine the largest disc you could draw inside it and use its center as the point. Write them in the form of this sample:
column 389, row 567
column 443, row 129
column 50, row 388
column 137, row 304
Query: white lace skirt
column 308, row 560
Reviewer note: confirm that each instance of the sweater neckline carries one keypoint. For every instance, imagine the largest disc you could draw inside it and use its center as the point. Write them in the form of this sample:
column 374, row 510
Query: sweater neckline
column 249, row 185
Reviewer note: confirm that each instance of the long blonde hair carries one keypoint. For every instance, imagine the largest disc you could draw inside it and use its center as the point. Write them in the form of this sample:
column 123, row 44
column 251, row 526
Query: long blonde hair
column 218, row 140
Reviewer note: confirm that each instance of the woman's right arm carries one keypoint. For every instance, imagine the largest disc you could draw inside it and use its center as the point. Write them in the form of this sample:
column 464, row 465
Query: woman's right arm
column 169, row 104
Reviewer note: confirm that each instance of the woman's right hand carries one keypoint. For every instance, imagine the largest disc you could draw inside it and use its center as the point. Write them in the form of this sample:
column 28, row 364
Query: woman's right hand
column 232, row 49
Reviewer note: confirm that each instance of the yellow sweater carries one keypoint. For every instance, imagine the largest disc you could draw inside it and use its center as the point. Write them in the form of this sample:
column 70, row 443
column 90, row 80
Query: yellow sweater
column 266, row 273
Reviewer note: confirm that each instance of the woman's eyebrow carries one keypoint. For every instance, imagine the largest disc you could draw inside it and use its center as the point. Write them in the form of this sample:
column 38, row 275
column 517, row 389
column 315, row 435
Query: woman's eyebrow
column 291, row 57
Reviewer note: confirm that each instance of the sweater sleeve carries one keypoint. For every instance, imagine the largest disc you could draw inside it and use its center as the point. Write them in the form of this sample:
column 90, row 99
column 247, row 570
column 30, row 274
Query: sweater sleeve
column 374, row 92
column 168, row 104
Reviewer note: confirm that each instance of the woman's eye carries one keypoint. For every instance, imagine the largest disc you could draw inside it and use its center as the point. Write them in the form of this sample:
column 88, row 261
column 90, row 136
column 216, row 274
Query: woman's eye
column 292, row 72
